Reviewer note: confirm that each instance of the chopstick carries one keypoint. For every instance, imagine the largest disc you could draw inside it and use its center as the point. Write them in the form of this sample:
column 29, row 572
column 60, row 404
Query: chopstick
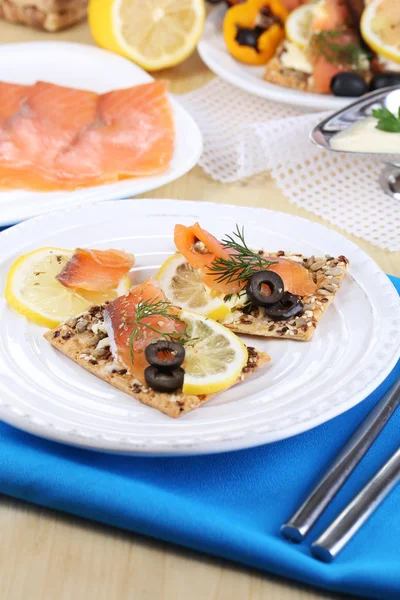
column 298, row 526
column 336, row 536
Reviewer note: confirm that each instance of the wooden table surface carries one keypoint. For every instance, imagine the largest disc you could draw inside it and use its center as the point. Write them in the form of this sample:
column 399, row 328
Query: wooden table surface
column 49, row 556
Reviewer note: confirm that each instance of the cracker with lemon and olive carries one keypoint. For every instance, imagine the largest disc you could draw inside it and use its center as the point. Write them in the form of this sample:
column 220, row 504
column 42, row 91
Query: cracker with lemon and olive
column 280, row 295
column 303, row 314
column 173, row 366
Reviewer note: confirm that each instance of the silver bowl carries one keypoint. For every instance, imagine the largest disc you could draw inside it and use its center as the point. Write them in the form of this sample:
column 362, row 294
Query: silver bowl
column 385, row 98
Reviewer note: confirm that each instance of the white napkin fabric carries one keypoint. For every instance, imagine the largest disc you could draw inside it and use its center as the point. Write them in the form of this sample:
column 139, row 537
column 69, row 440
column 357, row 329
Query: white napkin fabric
column 245, row 135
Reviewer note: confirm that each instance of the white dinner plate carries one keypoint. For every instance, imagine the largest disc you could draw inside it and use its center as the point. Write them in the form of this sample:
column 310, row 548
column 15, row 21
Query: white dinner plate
column 214, row 53
column 307, row 383
column 87, row 67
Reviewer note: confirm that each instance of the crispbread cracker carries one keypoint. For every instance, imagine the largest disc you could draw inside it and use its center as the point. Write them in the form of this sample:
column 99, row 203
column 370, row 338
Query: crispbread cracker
column 81, row 347
column 327, row 271
column 277, row 73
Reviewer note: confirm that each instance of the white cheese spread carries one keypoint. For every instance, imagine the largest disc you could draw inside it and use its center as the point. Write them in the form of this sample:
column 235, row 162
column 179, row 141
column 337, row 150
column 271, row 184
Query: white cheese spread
column 294, row 57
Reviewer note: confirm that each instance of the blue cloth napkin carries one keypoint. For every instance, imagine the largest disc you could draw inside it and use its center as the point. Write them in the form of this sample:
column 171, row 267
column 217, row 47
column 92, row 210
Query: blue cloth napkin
column 229, row 505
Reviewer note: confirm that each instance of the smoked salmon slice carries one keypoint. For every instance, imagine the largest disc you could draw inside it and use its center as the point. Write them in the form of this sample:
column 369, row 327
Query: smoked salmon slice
column 63, row 138
column 46, row 124
column 11, row 98
column 333, row 18
column 296, row 278
column 95, row 270
column 330, row 14
column 132, row 136
column 197, row 245
column 200, row 249
column 123, row 317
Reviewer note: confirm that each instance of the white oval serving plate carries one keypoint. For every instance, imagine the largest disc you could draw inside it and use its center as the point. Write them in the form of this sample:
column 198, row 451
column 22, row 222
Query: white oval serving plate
column 214, row 53
column 87, row 67
column 354, row 347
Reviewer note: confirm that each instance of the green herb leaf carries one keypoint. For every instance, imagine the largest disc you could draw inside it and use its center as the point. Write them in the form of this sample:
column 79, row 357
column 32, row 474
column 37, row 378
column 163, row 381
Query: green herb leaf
column 241, row 264
column 331, row 46
column 387, row 121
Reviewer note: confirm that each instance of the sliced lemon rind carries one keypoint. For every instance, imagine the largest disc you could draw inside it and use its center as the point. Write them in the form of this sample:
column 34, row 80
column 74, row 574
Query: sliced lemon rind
column 295, row 20
column 216, row 382
column 214, row 309
column 15, row 283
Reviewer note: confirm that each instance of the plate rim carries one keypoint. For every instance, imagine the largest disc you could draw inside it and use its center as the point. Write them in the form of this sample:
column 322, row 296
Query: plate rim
column 268, row 91
column 123, row 446
column 101, row 193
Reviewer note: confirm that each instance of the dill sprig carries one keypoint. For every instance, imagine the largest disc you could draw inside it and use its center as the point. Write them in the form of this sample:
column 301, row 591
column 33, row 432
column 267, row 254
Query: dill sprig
column 240, row 265
column 154, row 308
column 335, row 51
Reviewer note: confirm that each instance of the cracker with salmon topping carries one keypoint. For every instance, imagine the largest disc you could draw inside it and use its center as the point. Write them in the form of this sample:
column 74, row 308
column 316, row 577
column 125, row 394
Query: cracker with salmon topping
column 327, row 273
column 279, row 74
column 84, row 340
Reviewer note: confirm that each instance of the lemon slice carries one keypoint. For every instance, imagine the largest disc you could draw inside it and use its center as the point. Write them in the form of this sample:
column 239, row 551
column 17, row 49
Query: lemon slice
column 155, row 34
column 297, row 25
column 214, row 358
column 183, row 286
column 33, row 291
column 380, row 28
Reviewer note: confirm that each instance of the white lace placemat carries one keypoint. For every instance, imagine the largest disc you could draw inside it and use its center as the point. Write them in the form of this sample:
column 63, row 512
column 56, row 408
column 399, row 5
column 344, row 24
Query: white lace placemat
column 245, row 135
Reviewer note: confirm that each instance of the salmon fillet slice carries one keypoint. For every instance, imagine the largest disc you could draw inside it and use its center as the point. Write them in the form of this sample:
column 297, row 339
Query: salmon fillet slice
column 119, row 320
column 11, row 98
column 64, row 139
column 26, row 178
column 95, row 270
column 133, row 135
column 50, row 118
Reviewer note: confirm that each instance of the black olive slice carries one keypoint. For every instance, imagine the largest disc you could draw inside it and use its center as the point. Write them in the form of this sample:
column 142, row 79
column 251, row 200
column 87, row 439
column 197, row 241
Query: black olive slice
column 269, row 278
column 174, row 354
column 164, row 381
column 289, row 306
column 348, row 84
column 381, row 80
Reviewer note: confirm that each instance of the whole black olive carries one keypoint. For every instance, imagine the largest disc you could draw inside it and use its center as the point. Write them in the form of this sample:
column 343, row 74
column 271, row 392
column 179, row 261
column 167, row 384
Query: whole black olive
column 164, row 381
column 269, row 278
column 249, row 37
column 289, row 306
column 381, row 80
column 174, row 351
column 348, row 84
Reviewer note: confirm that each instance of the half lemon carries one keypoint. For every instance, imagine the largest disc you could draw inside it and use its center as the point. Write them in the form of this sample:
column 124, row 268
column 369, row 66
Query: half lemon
column 155, row 34
column 380, row 28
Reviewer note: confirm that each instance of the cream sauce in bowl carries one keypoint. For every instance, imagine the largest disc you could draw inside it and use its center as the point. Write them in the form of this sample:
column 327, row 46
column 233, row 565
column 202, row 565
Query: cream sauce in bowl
column 363, row 136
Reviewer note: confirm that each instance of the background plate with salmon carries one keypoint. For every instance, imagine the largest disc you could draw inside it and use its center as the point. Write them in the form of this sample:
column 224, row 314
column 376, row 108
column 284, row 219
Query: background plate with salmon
column 354, row 347
column 214, row 53
column 88, row 68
